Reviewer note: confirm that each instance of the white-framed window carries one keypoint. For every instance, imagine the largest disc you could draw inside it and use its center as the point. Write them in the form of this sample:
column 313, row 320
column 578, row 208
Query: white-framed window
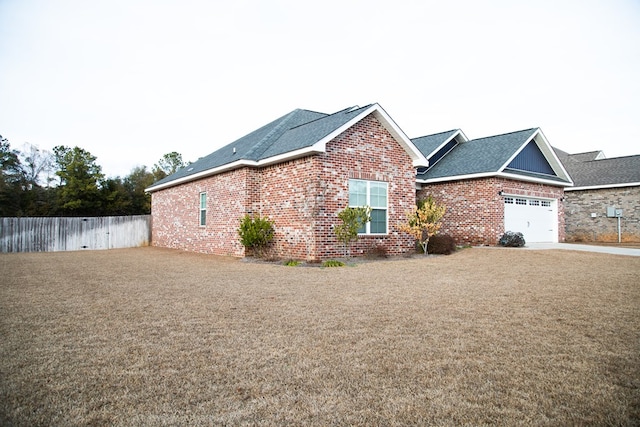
column 508, row 200
column 545, row 203
column 375, row 195
column 521, row 201
column 203, row 209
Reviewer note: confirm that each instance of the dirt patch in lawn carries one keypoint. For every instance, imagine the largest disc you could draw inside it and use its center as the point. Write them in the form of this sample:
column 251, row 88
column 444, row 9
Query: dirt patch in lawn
column 158, row 337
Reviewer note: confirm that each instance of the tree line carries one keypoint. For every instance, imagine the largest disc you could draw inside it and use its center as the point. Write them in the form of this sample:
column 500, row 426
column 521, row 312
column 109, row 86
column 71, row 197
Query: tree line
column 68, row 181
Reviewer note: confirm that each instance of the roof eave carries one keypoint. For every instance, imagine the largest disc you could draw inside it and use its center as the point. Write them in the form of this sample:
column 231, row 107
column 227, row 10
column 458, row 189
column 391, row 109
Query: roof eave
column 603, row 186
column 505, row 175
column 291, row 155
column 199, row 175
column 537, row 180
column 320, row 146
column 456, row 177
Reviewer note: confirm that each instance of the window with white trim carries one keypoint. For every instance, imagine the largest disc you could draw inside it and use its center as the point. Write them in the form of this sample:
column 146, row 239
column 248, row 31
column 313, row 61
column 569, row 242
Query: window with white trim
column 373, row 194
column 203, row 209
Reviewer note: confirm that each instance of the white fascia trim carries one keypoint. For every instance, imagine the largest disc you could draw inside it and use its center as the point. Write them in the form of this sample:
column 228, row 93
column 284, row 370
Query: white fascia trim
column 291, row 155
column 419, row 160
column 547, row 151
column 513, row 177
column 517, row 177
column 515, row 154
column 203, row 174
column 601, row 187
column 318, row 147
column 456, row 178
column 550, row 152
column 454, row 136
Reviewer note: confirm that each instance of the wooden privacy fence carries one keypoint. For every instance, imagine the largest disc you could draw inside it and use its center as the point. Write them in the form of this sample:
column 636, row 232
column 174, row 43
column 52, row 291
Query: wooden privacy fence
column 71, row 234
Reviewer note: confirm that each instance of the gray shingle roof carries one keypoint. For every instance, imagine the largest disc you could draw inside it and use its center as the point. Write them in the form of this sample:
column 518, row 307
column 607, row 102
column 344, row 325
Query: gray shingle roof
column 478, row 156
column 294, row 131
column 602, row 172
column 583, row 157
column 430, row 143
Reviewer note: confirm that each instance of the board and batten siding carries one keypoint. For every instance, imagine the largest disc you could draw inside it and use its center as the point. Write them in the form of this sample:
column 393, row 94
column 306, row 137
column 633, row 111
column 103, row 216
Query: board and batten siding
column 53, row 234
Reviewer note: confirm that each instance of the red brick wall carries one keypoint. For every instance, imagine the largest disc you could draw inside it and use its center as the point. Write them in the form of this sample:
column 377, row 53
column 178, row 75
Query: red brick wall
column 288, row 196
column 475, row 210
column 175, row 214
column 366, row 151
column 302, row 197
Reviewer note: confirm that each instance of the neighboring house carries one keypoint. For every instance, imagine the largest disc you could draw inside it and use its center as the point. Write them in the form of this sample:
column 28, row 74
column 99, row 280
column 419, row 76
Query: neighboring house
column 509, row 182
column 303, row 168
column 601, row 187
column 300, row 171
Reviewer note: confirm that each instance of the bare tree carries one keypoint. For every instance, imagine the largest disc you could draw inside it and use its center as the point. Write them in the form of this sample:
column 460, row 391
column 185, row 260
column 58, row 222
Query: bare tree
column 37, row 165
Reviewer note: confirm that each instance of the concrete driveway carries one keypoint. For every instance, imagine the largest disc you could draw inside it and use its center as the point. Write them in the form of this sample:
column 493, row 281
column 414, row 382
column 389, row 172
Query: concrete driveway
column 589, row 248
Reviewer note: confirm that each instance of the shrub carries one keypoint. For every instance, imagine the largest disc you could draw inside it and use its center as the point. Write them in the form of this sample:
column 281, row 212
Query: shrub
column 424, row 221
column 333, row 263
column 377, row 251
column 441, row 244
column 512, row 240
column 292, row 263
column 255, row 233
column 352, row 219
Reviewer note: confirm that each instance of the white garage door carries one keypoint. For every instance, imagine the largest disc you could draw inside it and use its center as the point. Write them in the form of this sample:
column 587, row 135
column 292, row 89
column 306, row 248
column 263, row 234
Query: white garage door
column 536, row 219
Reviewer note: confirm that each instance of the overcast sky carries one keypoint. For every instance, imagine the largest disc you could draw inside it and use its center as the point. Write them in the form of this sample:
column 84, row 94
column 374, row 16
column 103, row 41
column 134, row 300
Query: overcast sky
column 131, row 80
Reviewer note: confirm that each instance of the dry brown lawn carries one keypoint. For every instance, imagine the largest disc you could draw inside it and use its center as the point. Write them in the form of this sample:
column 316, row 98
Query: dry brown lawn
column 486, row 336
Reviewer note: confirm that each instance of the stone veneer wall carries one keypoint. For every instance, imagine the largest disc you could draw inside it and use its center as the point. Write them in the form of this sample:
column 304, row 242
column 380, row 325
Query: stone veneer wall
column 475, row 210
column 582, row 227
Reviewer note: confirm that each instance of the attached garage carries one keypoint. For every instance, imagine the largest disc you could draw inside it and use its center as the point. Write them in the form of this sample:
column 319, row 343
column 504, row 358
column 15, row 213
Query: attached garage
column 509, row 182
column 536, row 219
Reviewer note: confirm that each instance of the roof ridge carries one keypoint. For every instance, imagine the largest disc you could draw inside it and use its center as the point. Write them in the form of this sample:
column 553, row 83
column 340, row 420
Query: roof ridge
column 505, row 134
column 611, row 158
column 437, row 133
column 347, row 110
column 262, row 144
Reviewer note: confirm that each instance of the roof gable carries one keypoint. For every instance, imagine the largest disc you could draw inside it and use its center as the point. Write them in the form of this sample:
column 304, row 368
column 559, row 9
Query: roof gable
column 431, row 144
column 496, row 156
column 531, row 159
column 299, row 133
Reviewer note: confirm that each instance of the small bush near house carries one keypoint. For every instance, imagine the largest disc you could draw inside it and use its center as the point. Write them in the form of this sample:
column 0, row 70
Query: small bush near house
column 255, row 233
column 353, row 219
column 424, row 221
column 441, row 244
column 333, row 263
column 512, row 239
column 292, row 263
column 377, row 251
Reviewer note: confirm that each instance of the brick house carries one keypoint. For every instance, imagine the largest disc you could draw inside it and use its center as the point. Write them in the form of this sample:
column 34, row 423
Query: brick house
column 303, row 168
column 300, row 171
column 491, row 185
column 602, row 184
